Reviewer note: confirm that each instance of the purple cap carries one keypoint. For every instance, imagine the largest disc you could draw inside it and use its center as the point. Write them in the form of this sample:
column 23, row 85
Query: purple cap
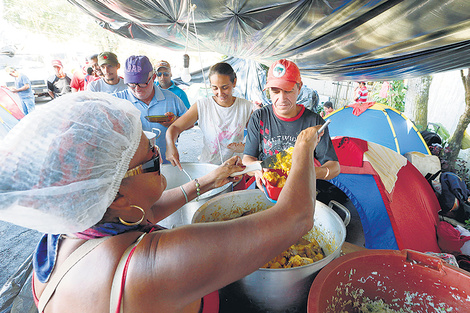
column 137, row 69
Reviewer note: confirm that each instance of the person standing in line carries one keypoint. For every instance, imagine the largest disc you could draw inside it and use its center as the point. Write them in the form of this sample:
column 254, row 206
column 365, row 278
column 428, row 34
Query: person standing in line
column 222, row 119
column 327, row 108
column 111, row 82
column 93, row 63
column 59, row 83
column 164, row 81
column 361, row 92
column 151, row 100
column 275, row 127
column 23, row 89
column 78, row 78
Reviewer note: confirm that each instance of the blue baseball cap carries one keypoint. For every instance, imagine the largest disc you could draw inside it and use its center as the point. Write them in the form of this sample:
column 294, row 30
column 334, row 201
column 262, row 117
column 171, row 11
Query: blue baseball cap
column 137, row 69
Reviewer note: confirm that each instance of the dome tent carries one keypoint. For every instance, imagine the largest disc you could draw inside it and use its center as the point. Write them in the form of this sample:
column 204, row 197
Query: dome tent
column 377, row 180
column 378, row 123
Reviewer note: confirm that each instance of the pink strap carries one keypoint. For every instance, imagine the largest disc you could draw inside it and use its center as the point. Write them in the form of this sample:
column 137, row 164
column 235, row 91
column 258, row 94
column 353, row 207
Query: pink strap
column 123, row 279
column 211, row 303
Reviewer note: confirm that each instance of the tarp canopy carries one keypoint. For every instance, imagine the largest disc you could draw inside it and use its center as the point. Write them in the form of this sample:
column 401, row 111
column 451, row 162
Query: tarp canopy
column 336, row 39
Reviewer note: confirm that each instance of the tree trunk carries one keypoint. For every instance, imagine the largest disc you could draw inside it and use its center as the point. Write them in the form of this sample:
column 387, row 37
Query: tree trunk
column 455, row 142
column 417, row 97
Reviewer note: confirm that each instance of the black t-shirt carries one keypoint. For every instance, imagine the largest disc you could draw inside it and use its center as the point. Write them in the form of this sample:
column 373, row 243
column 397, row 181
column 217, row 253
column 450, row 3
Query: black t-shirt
column 267, row 134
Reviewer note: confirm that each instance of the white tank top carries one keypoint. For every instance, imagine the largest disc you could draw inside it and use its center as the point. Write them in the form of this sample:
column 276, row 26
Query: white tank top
column 220, row 127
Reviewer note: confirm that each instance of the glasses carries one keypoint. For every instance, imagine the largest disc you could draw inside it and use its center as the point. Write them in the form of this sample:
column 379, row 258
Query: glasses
column 148, row 167
column 140, row 85
column 166, row 74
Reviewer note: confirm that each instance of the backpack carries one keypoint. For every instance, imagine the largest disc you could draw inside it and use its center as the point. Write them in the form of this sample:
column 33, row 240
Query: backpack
column 454, row 196
column 431, row 137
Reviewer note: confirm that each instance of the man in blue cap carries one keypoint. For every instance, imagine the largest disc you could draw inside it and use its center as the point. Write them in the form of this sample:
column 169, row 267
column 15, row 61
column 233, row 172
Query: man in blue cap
column 139, row 76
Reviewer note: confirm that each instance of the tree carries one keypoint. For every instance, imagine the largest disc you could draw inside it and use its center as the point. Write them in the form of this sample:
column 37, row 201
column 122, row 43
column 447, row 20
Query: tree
column 395, row 96
column 417, row 100
column 455, row 142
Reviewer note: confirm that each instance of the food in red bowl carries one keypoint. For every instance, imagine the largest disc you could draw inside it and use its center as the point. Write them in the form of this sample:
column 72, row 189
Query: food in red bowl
column 275, row 180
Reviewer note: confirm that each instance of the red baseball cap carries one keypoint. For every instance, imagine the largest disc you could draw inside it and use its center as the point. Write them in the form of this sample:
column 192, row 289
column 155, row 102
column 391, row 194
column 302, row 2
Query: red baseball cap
column 57, row 63
column 283, row 74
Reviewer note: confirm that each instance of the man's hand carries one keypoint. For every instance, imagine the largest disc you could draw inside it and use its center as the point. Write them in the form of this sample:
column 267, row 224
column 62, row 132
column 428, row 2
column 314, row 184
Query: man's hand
column 171, row 118
column 237, row 147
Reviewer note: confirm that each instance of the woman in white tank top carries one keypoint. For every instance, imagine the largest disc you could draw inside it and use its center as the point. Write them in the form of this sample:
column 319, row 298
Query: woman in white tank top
column 222, row 119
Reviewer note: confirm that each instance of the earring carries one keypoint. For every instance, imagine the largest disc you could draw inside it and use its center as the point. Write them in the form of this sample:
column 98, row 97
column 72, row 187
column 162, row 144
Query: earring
column 134, row 223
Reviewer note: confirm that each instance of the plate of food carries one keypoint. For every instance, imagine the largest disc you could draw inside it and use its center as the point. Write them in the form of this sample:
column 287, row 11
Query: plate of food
column 157, row 118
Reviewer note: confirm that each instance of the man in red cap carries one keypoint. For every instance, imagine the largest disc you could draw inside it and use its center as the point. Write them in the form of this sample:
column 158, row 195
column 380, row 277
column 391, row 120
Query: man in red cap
column 58, row 84
column 275, row 127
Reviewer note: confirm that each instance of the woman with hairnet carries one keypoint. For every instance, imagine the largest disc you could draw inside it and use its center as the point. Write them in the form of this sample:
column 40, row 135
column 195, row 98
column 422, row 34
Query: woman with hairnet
column 81, row 170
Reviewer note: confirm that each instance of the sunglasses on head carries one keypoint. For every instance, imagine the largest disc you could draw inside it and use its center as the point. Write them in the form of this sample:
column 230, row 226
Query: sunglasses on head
column 142, row 85
column 166, row 74
column 148, row 167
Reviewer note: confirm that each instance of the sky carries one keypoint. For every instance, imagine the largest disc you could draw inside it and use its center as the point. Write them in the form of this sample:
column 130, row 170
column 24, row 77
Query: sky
column 33, row 48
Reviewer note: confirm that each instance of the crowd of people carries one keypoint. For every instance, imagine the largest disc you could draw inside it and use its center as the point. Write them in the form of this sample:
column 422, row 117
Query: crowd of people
column 90, row 180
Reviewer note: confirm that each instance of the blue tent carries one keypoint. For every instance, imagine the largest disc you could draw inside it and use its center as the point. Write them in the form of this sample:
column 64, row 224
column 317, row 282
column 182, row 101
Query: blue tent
column 380, row 124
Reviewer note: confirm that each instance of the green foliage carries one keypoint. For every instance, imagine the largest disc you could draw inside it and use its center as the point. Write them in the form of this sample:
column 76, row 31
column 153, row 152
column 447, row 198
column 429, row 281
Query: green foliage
column 395, row 96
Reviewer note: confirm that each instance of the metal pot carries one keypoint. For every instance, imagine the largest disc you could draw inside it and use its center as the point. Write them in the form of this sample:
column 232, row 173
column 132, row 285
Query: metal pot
column 275, row 290
column 176, row 178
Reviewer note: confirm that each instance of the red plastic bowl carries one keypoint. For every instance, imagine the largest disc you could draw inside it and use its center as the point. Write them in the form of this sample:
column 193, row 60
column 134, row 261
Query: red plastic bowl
column 273, row 191
column 402, row 279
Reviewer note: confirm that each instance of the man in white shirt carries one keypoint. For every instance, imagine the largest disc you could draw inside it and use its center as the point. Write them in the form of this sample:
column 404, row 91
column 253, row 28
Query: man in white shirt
column 110, row 82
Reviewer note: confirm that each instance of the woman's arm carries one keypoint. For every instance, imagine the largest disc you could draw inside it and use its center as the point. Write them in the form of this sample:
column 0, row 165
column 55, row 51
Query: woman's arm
column 186, row 121
column 194, row 260
column 173, row 199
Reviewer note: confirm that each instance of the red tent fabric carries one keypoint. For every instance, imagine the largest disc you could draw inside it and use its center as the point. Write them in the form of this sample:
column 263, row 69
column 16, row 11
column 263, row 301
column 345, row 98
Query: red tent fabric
column 11, row 102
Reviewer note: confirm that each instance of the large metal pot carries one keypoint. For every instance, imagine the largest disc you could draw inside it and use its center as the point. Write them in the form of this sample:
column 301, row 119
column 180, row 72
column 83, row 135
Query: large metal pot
column 176, row 178
column 275, row 290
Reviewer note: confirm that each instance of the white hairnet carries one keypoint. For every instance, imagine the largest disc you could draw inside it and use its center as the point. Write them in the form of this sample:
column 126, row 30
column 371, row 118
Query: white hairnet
column 61, row 166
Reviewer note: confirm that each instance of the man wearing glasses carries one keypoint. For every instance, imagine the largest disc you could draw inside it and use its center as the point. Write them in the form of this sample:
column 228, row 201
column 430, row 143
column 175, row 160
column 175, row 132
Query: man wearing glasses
column 164, row 105
column 165, row 82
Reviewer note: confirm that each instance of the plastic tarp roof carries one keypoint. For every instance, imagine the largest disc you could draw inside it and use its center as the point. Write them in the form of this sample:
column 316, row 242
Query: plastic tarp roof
column 328, row 39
